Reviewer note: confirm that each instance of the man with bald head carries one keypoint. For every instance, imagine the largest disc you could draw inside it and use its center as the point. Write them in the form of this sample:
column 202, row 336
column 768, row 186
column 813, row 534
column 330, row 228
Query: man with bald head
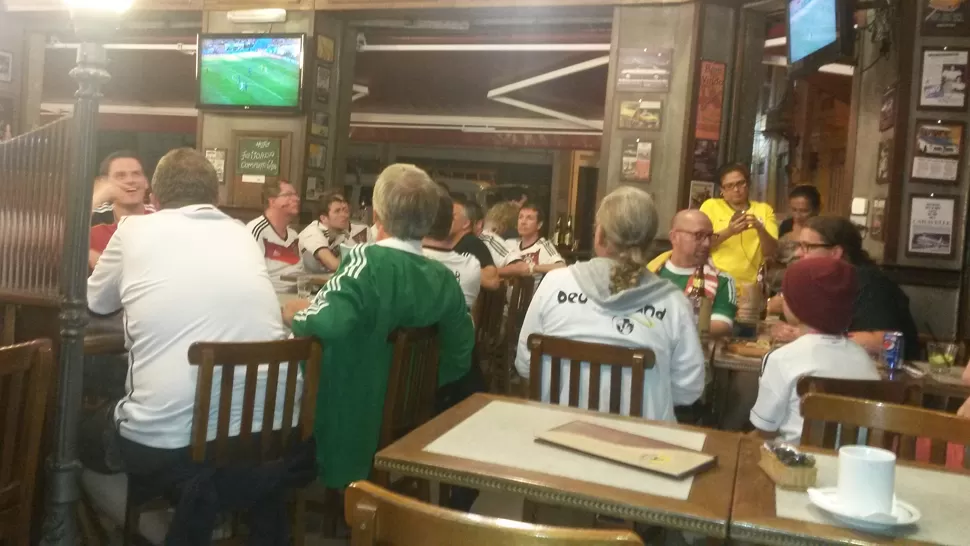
column 691, row 233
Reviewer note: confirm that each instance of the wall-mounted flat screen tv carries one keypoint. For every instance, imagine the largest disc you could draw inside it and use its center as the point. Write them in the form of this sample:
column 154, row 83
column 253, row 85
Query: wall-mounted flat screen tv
column 250, row 71
column 819, row 32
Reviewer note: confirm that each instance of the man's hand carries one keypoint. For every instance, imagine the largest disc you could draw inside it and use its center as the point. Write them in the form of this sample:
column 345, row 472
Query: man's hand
column 517, row 269
column 291, row 308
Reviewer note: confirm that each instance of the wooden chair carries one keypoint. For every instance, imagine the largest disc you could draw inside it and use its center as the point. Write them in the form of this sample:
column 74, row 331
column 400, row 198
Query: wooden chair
column 892, row 392
column 410, row 399
column 25, row 378
column 409, row 402
column 597, row 355
column 412, row 383
column 379, row 517
column 833, row 421
column 242, row 449
column 521, row 290
column 489, row 328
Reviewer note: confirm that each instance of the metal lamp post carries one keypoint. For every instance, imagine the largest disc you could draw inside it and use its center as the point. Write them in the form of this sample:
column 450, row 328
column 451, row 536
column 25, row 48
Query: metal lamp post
column 93, row 21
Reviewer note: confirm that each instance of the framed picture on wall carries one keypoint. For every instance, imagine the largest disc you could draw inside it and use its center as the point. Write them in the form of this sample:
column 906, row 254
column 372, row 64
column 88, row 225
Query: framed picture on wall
column 635, row 158
column 884, row 161
column 938, row 157
column 887, row 111
column 932, row 221
column 878, row 212
column 640, row 69
column 217, row 156
column 943, row 79
column 320, row 124
column 642, row 114
column 705, row 160
column 700, row 191
column 6, row 67
column 323, row 83
column 324, row 48
column 945, row 17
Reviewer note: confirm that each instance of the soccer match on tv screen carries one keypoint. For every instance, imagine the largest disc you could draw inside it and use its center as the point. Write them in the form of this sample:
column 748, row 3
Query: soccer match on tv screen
column 250, row 72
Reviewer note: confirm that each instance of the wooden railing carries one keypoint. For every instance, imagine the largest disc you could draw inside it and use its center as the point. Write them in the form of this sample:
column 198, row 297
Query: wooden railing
column 34, row 174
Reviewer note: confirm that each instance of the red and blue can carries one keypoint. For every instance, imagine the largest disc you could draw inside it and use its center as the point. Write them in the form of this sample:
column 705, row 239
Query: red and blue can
column 892, row 350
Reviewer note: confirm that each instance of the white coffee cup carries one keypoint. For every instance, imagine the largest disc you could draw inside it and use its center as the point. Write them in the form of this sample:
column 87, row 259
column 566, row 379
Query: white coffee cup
column 867, row 479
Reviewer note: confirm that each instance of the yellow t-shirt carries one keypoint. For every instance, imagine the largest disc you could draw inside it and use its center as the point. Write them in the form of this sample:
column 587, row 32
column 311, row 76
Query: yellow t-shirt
column 740, row 256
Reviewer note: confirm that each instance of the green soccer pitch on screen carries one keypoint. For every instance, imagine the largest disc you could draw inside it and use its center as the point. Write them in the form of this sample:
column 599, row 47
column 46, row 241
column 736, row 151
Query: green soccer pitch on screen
column 260, row 72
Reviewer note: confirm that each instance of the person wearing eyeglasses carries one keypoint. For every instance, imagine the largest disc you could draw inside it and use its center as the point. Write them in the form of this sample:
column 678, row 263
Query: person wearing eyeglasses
column 690, row 235
column 279, row 243
column 745, row 231
column 880, row 304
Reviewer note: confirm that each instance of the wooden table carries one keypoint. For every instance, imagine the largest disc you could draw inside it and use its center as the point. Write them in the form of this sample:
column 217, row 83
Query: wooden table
column 726, row 364
column 705, row 510
column 755, row 519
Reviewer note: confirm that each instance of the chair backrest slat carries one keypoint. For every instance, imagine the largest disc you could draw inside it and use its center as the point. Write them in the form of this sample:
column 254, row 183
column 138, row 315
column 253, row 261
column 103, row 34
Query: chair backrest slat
column 249, row 404
column 26, row 371
column 225, row 411
column 203, row 401
column 377, row 516
column 269, row 410
column 289, row 401
column 412, row 382
column 902, row 425
column 594, row 384
column 251, row 357
column 597, row 355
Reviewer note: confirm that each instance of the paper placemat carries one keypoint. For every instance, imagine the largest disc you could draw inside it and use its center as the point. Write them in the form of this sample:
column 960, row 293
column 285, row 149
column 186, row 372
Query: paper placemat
column 941, row 498
column 504, row 433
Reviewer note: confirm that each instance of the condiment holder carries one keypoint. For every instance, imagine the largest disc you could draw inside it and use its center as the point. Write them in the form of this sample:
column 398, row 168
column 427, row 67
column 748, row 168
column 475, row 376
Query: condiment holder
column 788, row 467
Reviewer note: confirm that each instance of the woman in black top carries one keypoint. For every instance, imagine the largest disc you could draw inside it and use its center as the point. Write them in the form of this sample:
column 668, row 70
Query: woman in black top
column 880, row 306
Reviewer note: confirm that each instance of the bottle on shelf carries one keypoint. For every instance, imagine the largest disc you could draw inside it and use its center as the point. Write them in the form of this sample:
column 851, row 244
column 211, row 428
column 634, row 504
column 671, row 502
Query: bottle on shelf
column 567, row 240
column 557, row 235
column 762, row 291
column 700, row 303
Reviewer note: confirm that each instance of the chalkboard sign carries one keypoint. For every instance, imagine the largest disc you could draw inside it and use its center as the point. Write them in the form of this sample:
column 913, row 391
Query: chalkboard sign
column 258, row 156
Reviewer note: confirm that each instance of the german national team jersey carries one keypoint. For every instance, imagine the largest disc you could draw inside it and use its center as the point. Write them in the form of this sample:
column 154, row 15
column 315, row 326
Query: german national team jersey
column 497, row 246
column 317, row 236
column 105, row 214
column 541, row 252
column 282, row 255
column 466, row 268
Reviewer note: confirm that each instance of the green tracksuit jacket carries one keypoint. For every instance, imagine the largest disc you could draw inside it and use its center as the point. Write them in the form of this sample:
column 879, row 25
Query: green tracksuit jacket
column 377, row 288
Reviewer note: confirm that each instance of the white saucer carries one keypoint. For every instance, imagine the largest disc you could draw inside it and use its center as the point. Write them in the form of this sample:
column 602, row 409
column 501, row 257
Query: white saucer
column 827, row 499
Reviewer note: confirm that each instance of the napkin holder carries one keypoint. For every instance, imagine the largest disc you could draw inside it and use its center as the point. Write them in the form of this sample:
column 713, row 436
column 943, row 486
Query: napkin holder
column 798, row 478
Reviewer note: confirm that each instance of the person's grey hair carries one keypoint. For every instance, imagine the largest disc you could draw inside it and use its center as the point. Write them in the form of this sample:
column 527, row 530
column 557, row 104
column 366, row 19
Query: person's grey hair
column 185, row 177
column 628, row 218
column 405, row 201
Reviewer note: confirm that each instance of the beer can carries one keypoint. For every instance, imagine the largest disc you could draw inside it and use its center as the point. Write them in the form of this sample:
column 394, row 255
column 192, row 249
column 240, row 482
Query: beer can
column 892, row 350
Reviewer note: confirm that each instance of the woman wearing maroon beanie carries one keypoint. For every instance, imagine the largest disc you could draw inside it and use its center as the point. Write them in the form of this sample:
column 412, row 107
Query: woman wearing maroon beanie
column 819, row 295
column 880, row 306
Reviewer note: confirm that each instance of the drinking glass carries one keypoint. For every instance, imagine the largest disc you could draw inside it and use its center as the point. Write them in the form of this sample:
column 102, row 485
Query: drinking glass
column 942, row 355
column 304, row 288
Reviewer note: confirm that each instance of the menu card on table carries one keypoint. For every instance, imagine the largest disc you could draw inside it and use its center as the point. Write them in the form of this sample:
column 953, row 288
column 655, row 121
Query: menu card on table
column 628, row 449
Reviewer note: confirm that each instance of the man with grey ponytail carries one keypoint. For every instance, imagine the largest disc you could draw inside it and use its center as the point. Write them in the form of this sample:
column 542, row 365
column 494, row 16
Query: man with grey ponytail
column 614, row 299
